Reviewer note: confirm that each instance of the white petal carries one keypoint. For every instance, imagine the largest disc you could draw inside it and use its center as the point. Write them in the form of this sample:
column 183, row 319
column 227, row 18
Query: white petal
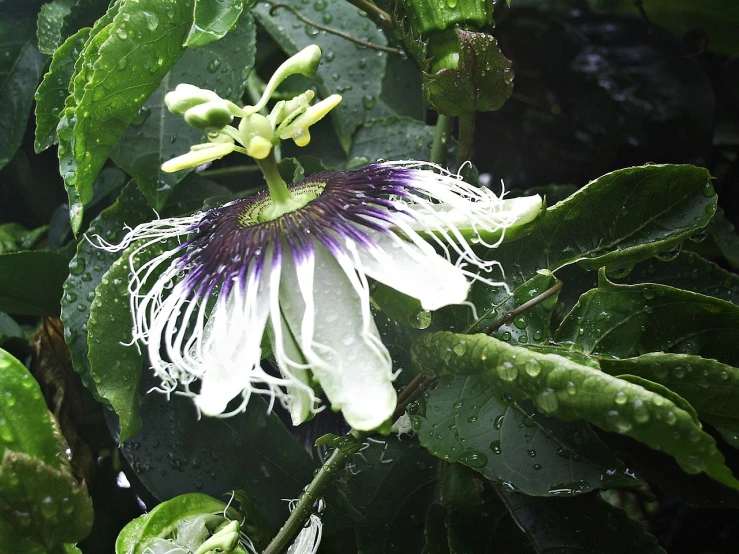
column 230, row 352
column 415, row 271
column 332, row 324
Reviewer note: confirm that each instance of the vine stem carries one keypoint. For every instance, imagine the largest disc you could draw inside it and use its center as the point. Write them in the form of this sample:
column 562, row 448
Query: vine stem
column 381, row 18
column 441, row 140
column 330, row 468
column 466, row 138
column 523, row 308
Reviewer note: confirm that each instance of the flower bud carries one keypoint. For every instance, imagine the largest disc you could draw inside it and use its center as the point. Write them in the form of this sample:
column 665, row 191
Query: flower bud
column 256, row 134
column 224, row 540
column 187, row 96
column 210, row 115
column 198, row 155
column 297, row 128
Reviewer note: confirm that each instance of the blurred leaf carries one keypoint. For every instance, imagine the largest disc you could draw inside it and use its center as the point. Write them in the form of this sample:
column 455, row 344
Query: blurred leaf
column 21, row 67
column 569, row 390
column 156, row 135
column 391, row 482
column 42, row 503
column 9, row 327
column 15, row 237
column 393, row 138
column 688, row 272
column 725, row 236
column 463, row 421
column 129, row 57
column 615, row 221
column 50, row 24
column 26, row 425
column 625, row 321
column 31, row 282
column 176, row 451
column 52, row 91
column 86, row 272
column 343, row 65
column 711, row 387
column 580, row 524
column 213, row 20
column 717, row 18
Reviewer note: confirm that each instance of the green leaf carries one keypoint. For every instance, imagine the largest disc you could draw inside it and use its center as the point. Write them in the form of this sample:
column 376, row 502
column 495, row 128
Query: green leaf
column 580, row 524
column 26, row 425
column 115, row 363
column 569, row 390
column 343, row 64
column 625, row 321
column 213, row 20
column 128, row 58
column 176, row 452
column 688, row 272
column 52, row 91
column 86, row 272
column 390, row 483
column 14, row 237
column 50, row 24
column 393, row 138
column 463, row 421
column 43, row 503
column 156, row 135
column 711, row 387
column 725, row 236
column 615, row 221
column 31, row 282
column 21, row 67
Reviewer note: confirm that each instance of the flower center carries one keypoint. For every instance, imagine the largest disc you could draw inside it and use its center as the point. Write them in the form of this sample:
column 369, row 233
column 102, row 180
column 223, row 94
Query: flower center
column 266, row 209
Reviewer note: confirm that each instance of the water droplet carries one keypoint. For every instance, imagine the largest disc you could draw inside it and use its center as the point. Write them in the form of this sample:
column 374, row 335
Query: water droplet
column 669, row 255
column 547, row 401
column 678, row 372
column 507, row 371
column 531, row 453
column 121, row 32
column 532, row 368
column 474, row 459
column 151, row 21
column 498, row 422
column 214, row 65
column 368, row 101
column 459, row 349
column 77, row 266
column 320, row 5
column 571, row 388
column 520, row 322
column 141, row 116
column 621, row 398
column 670, row 417
column 495, row 447
column 70, row 297
column 708, row 190
column 641, row 413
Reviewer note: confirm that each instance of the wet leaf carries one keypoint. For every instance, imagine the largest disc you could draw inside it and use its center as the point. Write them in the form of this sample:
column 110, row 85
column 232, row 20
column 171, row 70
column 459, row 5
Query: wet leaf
column 86, row 271
column 176, row 452
column 725, row 236
column 710, row 387
column 569, row 390
column 343, row 64
column 688, row 272
column 50, row 24
column 625, row 321
column 464, row 421
column 395, row 473
column 156, row 135
column 213, row 20
column 393, row 138
column 14, row 237
column 128, row 58
column 52, row 91
column 21, row 67
column 42, row 504
column 31, row 282
column 26, row 425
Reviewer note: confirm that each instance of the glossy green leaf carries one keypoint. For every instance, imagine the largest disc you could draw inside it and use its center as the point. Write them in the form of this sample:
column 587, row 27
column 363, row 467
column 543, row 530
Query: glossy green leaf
column 710, row 387
column 26, row 424
column 50, row 24
column 176, row 452
column 156, row 135
column 688, row 272
column 568, row 525
column 115, row 363
column 566, row 389
column 14, row 237
column 31, row 282
column 129, row 57
column 21, row 67
column 463, row 421
column 213, row 20
column 41, row 503
column 343, row 64
column 615, row 221
column 393, row 138
column 86, row 272
column 395, row 473
column 726, row 238
column 625, row 321
column 52, row 91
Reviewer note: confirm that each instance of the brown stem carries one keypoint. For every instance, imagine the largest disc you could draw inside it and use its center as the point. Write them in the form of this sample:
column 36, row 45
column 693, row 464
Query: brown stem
column 523, row 308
